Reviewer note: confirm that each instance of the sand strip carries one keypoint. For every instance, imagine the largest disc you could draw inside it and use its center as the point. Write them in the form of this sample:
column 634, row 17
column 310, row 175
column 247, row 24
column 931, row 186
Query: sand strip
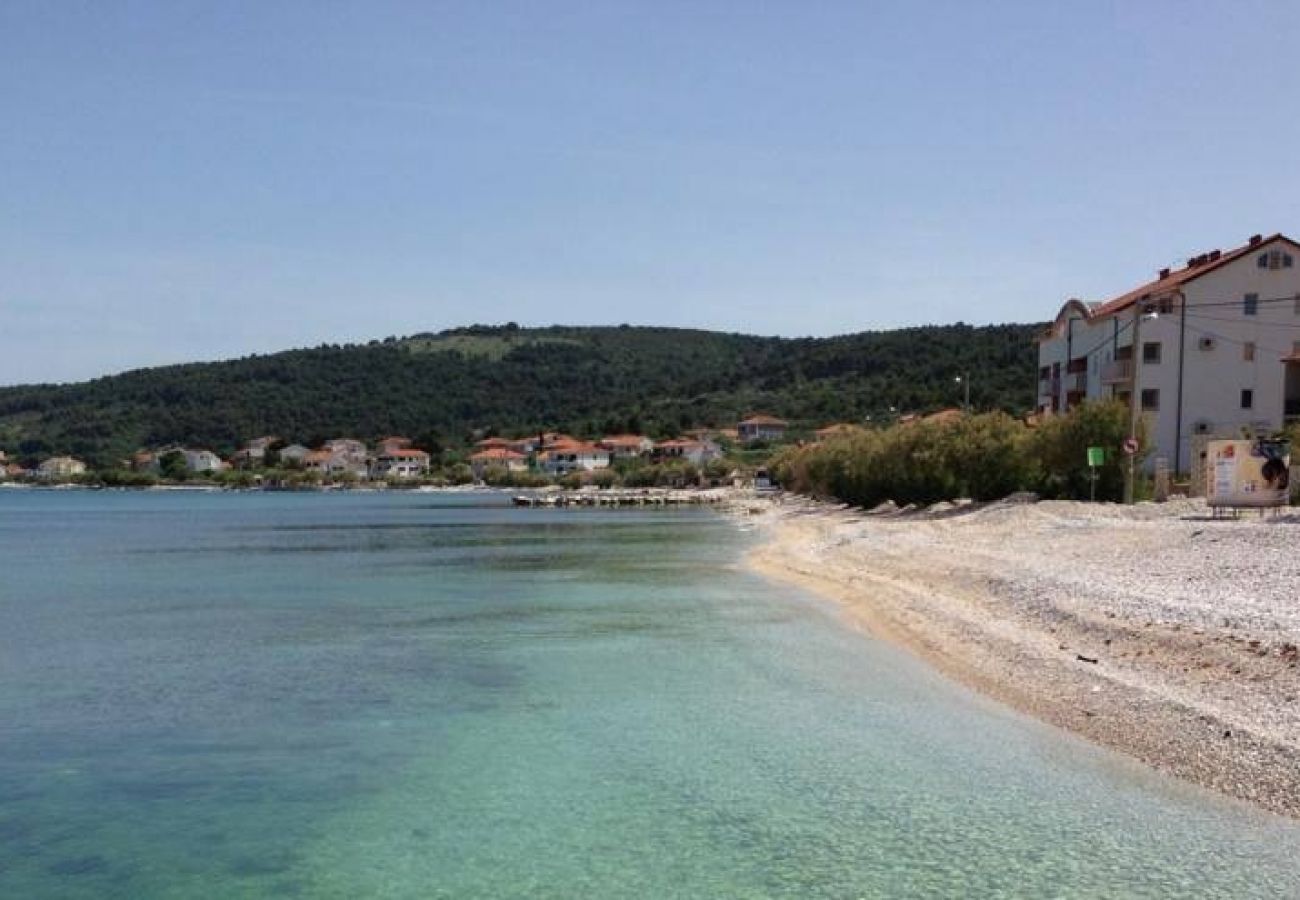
column 1152, row 630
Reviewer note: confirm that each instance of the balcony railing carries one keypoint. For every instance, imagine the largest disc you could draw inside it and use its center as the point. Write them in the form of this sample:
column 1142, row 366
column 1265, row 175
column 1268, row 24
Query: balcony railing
column 1116, row 372
column 1049, row 387
column 1076, row 381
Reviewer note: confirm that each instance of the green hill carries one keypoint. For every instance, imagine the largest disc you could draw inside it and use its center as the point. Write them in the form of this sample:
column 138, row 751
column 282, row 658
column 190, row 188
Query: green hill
column 441, row 387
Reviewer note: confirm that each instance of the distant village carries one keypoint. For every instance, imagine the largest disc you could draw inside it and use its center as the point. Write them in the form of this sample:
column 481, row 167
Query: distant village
column 701, row 456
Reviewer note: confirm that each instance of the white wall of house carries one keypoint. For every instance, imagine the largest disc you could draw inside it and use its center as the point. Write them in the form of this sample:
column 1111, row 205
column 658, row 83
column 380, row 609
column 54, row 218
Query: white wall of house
column 1211, row 333
column 202, row 461
column 562, row 462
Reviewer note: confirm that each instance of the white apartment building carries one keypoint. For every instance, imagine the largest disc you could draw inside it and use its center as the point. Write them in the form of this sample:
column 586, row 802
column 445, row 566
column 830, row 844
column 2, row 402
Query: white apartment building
column 1211, row 348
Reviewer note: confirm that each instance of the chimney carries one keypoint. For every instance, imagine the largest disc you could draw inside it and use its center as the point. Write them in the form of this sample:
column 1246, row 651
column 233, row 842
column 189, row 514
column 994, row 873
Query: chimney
column 1191, row 261
column 1255, row 239
column 1215, row 254
column 1164, row 273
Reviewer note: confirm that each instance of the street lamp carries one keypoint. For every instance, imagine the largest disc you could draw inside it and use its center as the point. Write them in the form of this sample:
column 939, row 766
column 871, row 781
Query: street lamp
column 964, row 381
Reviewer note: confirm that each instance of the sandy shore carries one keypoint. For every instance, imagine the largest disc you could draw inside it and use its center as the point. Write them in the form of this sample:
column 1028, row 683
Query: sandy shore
column 1150, row 629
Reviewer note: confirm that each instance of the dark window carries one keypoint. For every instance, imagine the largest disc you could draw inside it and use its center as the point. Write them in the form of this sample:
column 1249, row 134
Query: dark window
column 1247, row 399
column 1151, row 352
column 1261, row 261
column 1150, row 398
column 1250, row 304
column 1286, row 260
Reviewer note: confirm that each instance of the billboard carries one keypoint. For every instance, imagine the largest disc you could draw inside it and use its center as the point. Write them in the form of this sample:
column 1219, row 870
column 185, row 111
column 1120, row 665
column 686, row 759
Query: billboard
column 1248, row 472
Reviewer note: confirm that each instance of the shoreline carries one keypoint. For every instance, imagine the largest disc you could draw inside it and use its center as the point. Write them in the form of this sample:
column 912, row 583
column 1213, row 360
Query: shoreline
column 1151, row 630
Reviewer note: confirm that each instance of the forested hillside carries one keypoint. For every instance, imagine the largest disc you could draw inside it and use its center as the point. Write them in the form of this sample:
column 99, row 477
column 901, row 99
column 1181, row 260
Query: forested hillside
column 443, row 387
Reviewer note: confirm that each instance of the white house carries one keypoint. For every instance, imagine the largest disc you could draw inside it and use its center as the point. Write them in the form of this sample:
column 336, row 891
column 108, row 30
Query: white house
column 400, row 462
column 294, row 454
column 1211, row 348
column 695, row 452
column 626, row 446
column 202, row 461
column 573, row 456
column 332, row 464
column 57, row 467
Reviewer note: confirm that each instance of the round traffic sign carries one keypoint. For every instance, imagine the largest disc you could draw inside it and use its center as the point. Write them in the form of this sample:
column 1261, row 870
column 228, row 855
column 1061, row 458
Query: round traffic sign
column 1130, row 445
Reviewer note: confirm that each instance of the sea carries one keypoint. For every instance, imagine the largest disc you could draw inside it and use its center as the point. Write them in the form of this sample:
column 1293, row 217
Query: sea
column 410, row 695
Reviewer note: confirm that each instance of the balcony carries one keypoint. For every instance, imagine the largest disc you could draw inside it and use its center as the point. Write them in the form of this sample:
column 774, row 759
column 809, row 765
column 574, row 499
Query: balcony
column 1049, row 387
column 1117, row 372
column 1076, row 382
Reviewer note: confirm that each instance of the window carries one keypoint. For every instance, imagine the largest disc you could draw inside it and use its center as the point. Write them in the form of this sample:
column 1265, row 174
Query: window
column 1150, row 398
column 1250, row 304
column 1151, row 353
column 1248, row 351
column 1274, row 259
column 1247, row 399
column 1297, row 304
column 1165, row 305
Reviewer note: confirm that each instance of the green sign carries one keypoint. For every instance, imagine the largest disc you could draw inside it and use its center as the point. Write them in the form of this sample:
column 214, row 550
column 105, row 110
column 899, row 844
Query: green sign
column 1096, row 456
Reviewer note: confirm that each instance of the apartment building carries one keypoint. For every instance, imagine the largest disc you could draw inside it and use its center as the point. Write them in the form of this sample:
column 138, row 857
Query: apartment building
column 1210, row 348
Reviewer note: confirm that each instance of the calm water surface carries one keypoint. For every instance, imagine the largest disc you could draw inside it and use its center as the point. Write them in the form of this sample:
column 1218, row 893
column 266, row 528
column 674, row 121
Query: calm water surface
column 367, row 695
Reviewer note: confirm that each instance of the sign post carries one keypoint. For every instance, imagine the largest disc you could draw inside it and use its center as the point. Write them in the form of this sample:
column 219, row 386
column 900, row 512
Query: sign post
column 1096, row 458
column 1130, row 448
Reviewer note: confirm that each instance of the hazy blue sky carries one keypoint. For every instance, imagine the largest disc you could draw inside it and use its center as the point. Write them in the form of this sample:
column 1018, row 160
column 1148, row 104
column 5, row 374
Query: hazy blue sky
column 185, row 181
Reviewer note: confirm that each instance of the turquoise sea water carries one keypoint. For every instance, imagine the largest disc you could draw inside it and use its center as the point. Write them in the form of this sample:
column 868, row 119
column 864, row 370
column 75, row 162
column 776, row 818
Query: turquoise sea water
column 370, row 695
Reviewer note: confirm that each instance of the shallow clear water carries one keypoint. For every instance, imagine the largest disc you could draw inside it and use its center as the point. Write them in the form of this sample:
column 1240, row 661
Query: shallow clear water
column 368, row 695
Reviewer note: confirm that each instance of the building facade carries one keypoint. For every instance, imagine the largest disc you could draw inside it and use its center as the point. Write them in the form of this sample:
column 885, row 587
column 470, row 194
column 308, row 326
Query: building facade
column 1209, row 349
column 761, row 428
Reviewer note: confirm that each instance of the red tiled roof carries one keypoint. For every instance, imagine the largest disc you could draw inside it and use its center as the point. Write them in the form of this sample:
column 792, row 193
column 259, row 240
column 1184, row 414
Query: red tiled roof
column 1196, row 267
column 572, row 446
column 404, row 453
column 764, row 420
column 623, row 440
column 497, row 453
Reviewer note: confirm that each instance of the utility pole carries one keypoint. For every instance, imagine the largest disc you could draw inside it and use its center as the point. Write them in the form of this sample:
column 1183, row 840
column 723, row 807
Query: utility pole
column 1135, row 396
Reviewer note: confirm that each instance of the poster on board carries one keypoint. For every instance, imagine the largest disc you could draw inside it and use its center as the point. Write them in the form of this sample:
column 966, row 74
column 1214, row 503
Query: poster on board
column 1254, row 473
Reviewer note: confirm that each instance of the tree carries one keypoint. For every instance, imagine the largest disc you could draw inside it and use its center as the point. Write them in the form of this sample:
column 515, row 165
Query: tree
column 172, row 466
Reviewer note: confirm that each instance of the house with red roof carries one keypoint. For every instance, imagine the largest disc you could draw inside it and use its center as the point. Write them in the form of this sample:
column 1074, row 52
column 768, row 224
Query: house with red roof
column 566, row 456
column 762, row 428
column 626, row 446
column 502, row 457
column 399, row 463
column 695, row 452
column 1207, row 348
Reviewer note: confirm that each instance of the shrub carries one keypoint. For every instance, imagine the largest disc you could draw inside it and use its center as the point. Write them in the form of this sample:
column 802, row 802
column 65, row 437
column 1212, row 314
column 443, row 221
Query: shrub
column 983, row 457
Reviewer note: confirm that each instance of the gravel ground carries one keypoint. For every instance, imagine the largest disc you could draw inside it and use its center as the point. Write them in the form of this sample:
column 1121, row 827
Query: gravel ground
column 1155, row 629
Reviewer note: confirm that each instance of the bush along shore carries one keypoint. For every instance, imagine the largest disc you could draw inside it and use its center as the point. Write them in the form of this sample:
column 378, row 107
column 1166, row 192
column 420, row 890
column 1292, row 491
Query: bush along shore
column 982, row 457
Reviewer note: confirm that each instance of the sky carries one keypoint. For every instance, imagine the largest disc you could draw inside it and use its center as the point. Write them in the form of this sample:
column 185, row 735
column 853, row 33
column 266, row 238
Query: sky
column 186, row 181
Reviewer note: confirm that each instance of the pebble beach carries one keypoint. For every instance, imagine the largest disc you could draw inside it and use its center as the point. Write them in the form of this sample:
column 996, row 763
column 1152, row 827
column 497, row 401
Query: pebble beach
column 1156, row 629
